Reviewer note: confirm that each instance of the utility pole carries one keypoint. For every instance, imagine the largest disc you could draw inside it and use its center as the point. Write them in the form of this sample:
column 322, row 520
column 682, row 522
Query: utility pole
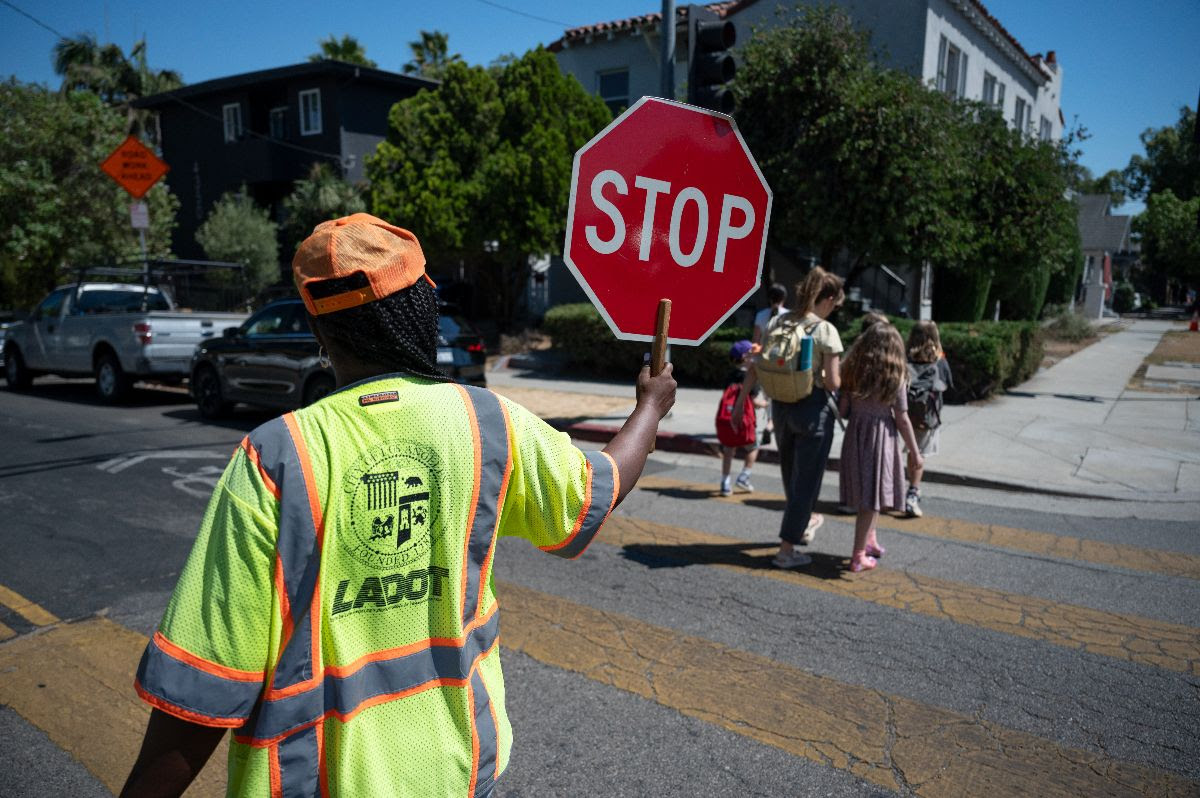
column 666, row 87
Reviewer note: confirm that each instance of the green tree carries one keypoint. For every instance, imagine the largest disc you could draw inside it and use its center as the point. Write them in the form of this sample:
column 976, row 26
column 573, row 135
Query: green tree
column 118, row 79
column 1169, row 236
column 431, row 55
column 480, row 168
column 240, row 231
column 346, row 49
column 57, row 209
column 1172, row 160
column 321, row 196
column 859, row 158
column 1111, row 183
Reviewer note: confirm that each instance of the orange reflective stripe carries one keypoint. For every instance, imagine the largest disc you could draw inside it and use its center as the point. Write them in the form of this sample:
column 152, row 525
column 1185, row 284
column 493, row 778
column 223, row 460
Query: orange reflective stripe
column 402, row 651
column 276, row 776
column 583, row 511
column 186, row 714
column 252, row 453
column 208, row 666
column 616, row 491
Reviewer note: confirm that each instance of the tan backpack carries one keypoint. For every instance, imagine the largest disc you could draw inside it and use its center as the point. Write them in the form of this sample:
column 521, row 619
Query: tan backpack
column 784, row 368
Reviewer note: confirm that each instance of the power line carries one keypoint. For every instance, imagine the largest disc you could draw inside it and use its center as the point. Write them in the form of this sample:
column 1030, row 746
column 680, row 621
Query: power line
column 518, row 13
column 254, row 134
column 34, row 19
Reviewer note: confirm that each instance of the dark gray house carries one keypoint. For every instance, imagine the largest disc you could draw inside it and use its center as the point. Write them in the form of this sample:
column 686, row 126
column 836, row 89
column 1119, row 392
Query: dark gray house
column 265, row 129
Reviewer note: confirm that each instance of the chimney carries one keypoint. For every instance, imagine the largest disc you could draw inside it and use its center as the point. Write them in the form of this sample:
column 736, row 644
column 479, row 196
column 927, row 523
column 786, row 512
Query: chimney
column 1050, row 57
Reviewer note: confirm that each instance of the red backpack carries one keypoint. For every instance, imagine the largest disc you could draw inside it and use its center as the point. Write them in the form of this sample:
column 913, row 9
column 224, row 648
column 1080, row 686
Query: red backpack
column 725, row 431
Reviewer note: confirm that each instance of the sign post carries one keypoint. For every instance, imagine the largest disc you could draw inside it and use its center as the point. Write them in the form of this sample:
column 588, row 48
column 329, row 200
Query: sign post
column 667, row 203
column 136, row 169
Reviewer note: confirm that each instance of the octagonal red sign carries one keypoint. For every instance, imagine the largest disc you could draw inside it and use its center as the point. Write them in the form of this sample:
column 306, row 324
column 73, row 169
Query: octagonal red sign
column 667, row 203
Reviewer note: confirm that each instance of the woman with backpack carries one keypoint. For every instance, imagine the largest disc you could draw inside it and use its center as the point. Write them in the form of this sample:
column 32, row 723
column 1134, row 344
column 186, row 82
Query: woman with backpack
column 928, row 378
column 804, row 414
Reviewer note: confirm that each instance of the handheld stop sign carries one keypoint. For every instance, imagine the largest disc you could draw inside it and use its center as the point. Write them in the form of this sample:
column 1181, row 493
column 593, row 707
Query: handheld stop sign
column 667, row 223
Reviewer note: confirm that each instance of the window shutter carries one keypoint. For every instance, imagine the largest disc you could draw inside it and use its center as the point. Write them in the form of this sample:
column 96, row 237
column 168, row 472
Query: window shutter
column 962, row 76
column 941, row 64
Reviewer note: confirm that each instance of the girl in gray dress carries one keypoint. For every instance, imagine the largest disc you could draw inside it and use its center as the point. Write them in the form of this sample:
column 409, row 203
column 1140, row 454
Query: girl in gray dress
column 874, row 398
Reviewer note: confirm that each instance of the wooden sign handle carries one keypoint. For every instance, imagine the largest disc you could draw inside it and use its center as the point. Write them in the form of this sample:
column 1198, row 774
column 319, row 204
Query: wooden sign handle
column 658, row 352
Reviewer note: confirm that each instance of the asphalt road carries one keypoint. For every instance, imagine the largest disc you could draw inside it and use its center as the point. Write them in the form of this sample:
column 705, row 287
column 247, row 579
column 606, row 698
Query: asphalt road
column 1009, row 644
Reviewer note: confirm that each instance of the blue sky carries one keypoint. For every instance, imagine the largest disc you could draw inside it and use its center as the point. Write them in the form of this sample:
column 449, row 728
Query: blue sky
column 1128, row 64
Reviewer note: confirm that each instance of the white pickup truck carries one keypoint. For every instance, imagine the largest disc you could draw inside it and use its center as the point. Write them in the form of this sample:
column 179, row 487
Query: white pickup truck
column 116, row 331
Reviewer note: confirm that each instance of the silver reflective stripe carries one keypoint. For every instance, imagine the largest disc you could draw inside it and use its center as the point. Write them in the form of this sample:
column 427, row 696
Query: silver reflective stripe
column 275, row 717
column 299, row 759
column 601, row 502
column 188, row 687
column 494, row 464
column 297, row 545
column 485, row 733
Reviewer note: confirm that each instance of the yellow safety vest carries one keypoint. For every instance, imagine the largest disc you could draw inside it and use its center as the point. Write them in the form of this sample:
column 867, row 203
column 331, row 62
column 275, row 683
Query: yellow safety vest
column 337, row 611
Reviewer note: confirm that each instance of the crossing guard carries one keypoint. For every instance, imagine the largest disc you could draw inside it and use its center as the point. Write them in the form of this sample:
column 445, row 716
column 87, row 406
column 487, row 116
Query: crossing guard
column 337, row 612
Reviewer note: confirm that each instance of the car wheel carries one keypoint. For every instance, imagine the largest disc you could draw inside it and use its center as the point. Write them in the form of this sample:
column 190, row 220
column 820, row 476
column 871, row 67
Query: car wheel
column 317, row 388
column 15, row 373
column 209, row 398
column 111, row 382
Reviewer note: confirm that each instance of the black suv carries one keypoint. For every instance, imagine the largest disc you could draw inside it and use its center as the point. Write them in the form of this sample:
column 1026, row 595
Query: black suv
column 273, row 360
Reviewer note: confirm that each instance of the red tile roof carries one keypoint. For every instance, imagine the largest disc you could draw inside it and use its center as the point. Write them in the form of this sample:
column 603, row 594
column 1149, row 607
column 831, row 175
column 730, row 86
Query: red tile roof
column 1036, row 60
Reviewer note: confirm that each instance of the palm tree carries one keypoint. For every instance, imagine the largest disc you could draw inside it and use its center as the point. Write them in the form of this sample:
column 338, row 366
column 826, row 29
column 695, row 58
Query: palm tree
column 321, row 196
column 430, row 54
column 117, row 79
column 347, row 49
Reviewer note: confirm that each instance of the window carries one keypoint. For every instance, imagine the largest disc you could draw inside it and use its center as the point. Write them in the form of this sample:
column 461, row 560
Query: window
column 52, row 305
column 310, row 112
column 999, row 96
column 613, row 88
column 952, row 69
column 119, row 301
column 232, row 114
column 279, row 122
column 272, row 320
column 1045, row 130
column 1021, row 114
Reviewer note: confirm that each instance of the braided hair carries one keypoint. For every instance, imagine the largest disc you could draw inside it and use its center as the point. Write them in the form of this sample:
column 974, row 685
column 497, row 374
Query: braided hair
column 396, row 333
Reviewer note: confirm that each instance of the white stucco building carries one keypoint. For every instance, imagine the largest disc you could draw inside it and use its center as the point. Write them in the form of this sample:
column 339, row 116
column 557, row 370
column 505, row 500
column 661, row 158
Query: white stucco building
column 954, row 46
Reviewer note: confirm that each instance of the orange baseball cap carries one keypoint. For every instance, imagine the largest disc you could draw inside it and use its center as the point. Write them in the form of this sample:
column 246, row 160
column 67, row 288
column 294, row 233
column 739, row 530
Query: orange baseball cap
column 389, row 257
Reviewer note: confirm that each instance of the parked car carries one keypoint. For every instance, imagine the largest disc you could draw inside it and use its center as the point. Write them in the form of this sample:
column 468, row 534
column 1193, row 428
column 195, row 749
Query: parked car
column 117, row 332
column 273, row 360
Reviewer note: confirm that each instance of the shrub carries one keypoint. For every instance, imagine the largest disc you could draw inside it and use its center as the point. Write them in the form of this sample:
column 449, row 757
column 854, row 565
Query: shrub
column 1123, row 297
column 1069, row 326
column 984, row 357
column 581, row 334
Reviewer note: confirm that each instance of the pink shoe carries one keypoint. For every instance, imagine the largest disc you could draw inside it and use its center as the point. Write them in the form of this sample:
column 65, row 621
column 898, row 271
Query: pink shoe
column 861, row 562
column 875, row 550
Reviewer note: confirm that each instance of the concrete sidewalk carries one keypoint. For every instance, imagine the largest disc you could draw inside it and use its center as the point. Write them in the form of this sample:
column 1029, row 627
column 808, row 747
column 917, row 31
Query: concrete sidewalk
column 1073, row 429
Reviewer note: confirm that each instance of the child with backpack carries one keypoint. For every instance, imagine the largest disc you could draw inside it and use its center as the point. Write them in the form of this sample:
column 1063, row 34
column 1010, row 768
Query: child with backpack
column 875, row 399
column 744, row 434
column 928, row 378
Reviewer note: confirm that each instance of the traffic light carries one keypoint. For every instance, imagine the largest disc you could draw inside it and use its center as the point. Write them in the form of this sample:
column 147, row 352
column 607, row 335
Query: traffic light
column 710, row 64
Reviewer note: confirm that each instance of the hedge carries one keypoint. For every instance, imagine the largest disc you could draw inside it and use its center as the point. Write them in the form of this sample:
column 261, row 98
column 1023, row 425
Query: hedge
column 984, row 356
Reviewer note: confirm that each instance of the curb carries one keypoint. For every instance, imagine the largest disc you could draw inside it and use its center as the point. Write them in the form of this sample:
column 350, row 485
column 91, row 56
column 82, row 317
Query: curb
column 683, row 443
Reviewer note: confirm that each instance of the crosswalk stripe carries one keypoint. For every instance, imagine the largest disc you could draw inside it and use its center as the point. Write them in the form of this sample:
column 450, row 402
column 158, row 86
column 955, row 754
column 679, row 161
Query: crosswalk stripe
column 74, row 681
column 26, row 608
column 888, row 740
column 6, row 632
column 1125, row 637
column 1136, row 558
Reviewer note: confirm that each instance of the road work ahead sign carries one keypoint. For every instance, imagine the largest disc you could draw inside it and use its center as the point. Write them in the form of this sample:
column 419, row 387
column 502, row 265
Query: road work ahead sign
column 667, row 203
column 134, row 167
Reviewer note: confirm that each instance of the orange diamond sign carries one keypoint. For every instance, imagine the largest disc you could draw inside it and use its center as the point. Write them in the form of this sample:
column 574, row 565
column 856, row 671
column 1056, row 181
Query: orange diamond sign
column 134, row 167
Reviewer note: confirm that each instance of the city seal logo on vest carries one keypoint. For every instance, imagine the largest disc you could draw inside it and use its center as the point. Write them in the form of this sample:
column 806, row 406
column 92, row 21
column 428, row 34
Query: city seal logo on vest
column 392, row 495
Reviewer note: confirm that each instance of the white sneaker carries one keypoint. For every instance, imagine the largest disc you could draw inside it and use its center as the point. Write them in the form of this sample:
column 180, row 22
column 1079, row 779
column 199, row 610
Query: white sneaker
column 814, row 523
column 726, row 488
column 793, row 560
column 912, row 505
column 743, row 482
